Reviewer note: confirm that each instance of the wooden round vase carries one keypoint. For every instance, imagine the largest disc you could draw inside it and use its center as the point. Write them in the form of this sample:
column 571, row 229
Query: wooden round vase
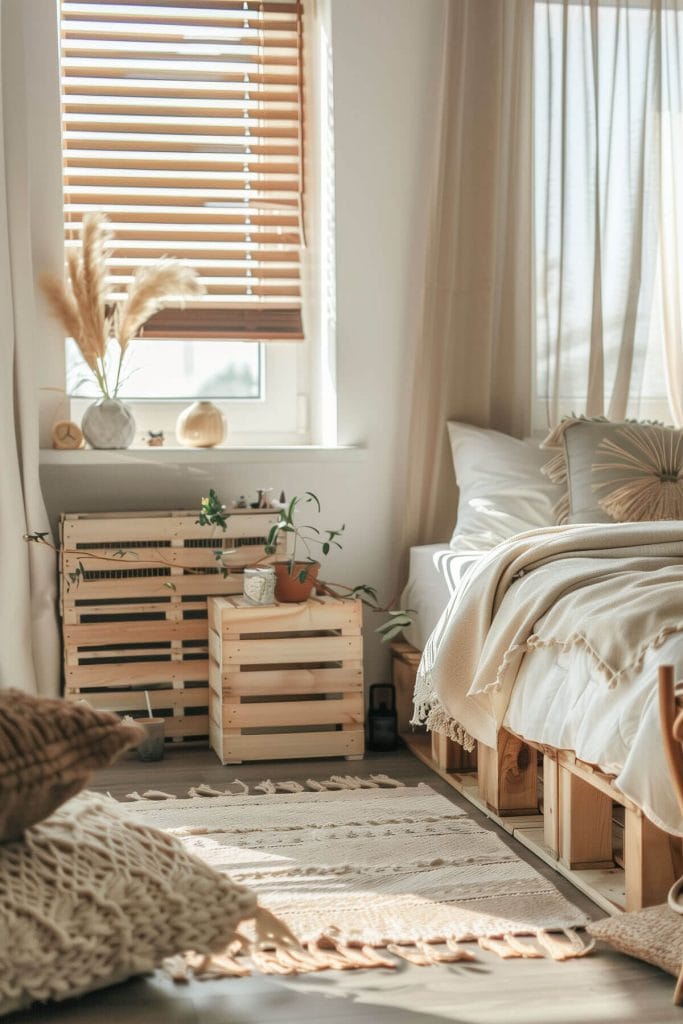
column 289, row 588
column 201, row 425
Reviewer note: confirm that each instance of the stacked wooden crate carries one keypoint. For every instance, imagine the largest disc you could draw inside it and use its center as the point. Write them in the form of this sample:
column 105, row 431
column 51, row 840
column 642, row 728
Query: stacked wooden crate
column 134, row 591
column 286, row 680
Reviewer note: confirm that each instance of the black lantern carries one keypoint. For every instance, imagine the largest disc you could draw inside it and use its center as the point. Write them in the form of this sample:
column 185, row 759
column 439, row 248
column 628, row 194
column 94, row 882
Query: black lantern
column 382, row 723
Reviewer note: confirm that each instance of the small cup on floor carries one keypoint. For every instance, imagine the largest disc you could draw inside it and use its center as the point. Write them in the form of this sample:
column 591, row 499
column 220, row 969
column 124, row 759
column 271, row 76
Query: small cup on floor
column 151, row 748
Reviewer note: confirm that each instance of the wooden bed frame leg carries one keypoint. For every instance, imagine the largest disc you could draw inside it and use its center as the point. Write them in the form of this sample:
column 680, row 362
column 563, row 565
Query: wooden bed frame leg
column 551, row 806
column 449, row 756
column 508, row 776
column 585, row 823
column 651, row 861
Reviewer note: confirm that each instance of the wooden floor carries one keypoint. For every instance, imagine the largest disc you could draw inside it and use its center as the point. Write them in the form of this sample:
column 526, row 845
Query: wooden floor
column 600, row 989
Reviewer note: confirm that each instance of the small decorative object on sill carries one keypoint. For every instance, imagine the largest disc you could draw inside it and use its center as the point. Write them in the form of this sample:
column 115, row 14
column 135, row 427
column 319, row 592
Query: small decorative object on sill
column 259, row 585
column 241, row 502
column 108, row 423
column 201, row 425
column 294, row 581
column 382, row 724
column 67, row 436
column 155, row 438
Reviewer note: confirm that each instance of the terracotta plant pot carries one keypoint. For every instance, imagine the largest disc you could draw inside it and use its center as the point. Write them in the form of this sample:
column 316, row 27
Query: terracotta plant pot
column 288, row 586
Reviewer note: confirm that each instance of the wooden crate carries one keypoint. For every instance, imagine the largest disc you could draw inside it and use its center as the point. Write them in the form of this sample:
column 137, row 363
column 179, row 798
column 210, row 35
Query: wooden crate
column 136, row 619
column 286, row 680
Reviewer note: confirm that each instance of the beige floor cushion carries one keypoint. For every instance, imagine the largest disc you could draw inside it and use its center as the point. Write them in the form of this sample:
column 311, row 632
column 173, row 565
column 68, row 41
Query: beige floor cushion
column 654, row 935
column 88, row 898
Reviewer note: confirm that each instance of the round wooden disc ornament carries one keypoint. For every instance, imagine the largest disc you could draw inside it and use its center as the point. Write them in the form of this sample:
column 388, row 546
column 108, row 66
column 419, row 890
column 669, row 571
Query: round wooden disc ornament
column 67, row 436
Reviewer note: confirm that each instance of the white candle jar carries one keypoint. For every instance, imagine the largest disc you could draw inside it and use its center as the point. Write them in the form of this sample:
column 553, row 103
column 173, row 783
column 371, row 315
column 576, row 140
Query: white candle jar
column 259, row 585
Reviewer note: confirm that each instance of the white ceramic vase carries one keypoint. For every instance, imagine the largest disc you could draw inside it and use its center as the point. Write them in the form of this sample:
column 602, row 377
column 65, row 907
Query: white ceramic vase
column 108, row 423
column 201, row 425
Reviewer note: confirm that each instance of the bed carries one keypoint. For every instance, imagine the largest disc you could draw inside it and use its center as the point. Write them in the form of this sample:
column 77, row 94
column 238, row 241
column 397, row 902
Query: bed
column 556, row 725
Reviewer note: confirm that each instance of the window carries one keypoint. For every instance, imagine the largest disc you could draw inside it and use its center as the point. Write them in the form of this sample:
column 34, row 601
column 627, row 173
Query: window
column 183, row 123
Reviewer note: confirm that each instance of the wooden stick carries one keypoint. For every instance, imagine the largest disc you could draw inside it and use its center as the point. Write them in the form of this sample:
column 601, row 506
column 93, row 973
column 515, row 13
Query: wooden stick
column 668, row 714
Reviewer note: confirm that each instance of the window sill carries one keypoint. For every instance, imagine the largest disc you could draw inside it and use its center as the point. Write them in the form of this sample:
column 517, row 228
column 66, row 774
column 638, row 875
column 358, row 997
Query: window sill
column 169, row 455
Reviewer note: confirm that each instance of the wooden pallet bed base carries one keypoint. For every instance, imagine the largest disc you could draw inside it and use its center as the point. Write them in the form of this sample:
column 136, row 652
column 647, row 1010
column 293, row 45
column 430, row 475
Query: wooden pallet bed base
column 571, row 826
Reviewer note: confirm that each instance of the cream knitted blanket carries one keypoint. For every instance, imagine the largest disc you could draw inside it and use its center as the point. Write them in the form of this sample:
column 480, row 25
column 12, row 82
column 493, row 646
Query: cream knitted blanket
column 617, row 589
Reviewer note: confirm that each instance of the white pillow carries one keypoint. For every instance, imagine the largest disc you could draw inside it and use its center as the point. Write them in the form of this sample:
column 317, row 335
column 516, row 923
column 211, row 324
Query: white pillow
column 89, row 898
column 502, row 489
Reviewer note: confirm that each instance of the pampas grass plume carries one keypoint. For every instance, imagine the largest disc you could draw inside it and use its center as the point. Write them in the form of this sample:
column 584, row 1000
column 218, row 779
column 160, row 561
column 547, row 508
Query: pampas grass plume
column 79, row 302
column 151, row 288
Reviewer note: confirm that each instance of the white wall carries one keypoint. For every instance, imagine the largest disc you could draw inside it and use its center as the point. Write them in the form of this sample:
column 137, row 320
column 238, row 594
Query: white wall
column 386, row 68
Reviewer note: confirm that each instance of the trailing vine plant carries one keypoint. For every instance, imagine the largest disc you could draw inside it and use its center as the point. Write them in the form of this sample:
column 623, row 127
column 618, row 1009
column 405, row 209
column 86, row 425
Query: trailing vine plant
column 213, row 513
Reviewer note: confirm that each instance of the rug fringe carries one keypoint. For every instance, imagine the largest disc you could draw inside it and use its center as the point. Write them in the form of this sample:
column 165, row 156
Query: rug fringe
column 205, row 790
column 269, row 788
column 151, row 794
column 571, row 950
column 501, row 947
column 275, row 950
column 511, row 946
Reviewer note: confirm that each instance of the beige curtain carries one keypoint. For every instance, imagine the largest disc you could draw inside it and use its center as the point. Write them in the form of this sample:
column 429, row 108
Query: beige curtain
column 472, row 359
column 29, row 638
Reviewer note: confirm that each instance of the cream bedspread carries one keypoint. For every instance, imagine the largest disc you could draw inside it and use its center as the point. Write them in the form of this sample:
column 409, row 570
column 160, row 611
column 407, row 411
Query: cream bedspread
column 616, row 590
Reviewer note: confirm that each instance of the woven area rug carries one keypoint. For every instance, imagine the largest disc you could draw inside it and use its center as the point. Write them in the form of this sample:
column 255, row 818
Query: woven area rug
column 401, row 868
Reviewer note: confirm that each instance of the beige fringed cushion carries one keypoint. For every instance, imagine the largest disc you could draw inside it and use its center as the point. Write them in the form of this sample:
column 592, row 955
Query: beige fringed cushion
column 89, row 898
column 654, row 935
column 48, row 749
column 616, row 472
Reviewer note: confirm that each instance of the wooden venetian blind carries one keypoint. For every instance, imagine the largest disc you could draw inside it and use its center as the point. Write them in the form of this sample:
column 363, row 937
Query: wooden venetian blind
column 183, row 123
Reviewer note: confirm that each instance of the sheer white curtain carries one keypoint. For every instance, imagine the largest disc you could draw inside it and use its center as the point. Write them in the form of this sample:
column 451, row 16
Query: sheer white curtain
column 607, row 173
column 29, row 638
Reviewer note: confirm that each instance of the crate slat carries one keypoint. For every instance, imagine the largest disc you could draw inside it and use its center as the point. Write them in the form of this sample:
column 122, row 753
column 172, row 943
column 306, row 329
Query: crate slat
column 162, row 526
column 344, row 711
column 154, row 587
column 240, row 617
column 289, row 681
column 134, row 700
column 292, row 650
column 285, row 746
column 136, row 559
column 84, row 677
column 115, row 633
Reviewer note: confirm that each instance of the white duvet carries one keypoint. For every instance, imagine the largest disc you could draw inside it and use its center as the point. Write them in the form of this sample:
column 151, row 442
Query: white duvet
column 475, row 670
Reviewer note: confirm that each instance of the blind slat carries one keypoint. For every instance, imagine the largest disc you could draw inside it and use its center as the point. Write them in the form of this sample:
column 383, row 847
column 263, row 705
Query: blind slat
column 272, row 323
column 162, row 6
column 182, row 122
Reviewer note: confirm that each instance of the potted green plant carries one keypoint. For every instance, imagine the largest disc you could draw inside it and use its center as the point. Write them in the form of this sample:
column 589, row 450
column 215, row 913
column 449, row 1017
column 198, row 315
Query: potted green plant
column 296, row 575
